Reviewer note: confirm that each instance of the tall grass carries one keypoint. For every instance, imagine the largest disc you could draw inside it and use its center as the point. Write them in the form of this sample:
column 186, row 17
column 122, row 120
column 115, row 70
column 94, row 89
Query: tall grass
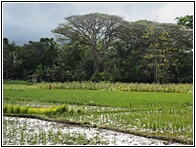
column 88, row 85
column 18, row 87
column 138, row 87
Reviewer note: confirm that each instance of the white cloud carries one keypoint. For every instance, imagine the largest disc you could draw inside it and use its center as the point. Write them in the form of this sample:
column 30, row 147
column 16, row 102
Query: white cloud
column 172, row 10
column 128, row 10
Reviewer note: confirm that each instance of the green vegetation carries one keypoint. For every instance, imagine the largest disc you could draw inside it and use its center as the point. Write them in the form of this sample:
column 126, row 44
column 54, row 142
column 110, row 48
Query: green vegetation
column 88, row 85
column 154, row 114
column 151, row 55
column 18, row 82
column 95, row 97
column 185, row 21
column 55, row 110
column 142, row 51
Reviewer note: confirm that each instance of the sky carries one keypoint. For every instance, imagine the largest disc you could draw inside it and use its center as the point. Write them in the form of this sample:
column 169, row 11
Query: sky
column 25, row 21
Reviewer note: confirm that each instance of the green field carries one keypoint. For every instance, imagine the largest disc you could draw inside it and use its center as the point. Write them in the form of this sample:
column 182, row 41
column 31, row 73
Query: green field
column 146, row 110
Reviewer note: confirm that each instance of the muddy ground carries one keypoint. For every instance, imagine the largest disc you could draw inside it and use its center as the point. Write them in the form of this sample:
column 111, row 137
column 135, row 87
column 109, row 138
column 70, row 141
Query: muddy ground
column 15, row 128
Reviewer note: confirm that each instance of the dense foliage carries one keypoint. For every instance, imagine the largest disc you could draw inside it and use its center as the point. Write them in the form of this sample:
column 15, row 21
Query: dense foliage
column 102, row 47
column 186, row 21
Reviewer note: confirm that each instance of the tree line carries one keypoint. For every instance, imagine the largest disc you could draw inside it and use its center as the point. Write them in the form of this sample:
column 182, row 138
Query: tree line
column 101, row 47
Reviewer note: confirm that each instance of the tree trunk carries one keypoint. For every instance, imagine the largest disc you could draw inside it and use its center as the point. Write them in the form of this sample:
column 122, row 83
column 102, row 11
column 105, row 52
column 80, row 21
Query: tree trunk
column 96, row 69
column 156, row 72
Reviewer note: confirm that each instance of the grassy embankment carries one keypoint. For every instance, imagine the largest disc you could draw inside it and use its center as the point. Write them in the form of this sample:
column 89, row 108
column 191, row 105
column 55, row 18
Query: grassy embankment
column 142, row 109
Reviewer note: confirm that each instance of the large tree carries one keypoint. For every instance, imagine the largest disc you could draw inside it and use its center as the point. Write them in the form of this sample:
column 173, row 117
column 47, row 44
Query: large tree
column 124, row 61
column 166, row 44
column 98, row 31
column 11, row 61
column 185, row 21
column 37, row 56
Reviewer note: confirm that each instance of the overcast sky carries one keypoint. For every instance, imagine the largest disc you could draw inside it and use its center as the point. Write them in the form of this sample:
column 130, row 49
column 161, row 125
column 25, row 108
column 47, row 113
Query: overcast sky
column 31, row 21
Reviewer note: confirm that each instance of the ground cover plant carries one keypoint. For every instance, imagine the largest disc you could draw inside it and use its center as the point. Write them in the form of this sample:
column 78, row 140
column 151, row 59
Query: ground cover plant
column 153, row 114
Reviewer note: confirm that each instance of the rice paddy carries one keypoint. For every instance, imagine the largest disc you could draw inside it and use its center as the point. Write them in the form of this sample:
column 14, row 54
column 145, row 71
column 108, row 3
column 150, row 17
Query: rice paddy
column 163, row 113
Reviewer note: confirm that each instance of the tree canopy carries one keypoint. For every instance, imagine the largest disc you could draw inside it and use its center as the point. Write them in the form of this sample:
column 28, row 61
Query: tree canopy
column 103, row 47
column 185, row 21
column 97, row 31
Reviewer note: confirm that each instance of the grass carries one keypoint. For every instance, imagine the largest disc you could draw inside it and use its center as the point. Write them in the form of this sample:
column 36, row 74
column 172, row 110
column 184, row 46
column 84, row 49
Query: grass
column 141, row 100
column 51, row 111
column 87, row 85
column 154, row 114
column 18, row 82
column 138, row 87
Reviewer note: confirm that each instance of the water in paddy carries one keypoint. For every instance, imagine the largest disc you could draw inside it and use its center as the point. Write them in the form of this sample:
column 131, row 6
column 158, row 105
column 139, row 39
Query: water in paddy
column 26, row 131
